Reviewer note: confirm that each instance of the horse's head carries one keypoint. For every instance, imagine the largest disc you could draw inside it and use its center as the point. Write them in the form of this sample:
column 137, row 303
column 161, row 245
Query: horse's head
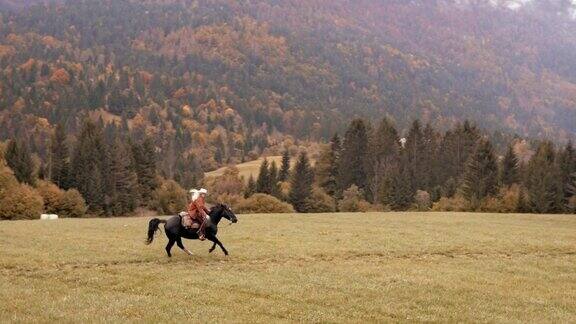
column 223, row 210
column 229, row 214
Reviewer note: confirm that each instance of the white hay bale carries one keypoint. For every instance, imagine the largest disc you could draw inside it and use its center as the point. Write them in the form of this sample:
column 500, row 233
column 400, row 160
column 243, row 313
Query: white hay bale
column 48, row 216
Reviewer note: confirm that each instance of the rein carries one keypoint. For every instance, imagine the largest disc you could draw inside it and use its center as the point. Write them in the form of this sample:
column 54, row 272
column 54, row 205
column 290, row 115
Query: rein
column 220, row 218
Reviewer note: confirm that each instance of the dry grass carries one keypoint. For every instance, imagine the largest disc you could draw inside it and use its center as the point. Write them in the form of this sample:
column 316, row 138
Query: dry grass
column 248, row 168
column 313, row 268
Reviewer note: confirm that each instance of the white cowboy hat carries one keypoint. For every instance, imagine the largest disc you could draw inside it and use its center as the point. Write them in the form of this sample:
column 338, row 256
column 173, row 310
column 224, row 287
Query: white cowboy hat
column 196, row 193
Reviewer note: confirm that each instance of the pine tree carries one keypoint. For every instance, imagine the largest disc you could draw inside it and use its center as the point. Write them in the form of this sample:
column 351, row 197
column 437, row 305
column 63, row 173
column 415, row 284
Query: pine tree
column 189, row 173
column 122, row 182
column 571, row 201
column 301, row 184
column 273, row 178
column 543, row 181
column 456, row 147
column 285, row 167
column 402, row 192
column 88, row 166
column 385, row 154
column 326, row 168
column 354, row 157
column 250, row 187
column 220, row 153
column 263, row 182
column 572, row 185
column 45, row 70
column 429, row 156
column 19, row 160
column 509, row 169
column 59, row 165
column 144, row 156
column 567, row 167
column 480, row 178
column 414, row 151
column 523, row 203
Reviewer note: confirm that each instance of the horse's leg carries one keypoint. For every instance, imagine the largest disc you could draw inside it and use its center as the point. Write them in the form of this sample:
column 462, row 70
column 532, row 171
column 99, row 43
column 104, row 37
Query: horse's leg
column 217, row 241
column 181, row 246
column 212, row 248
column 169, row 246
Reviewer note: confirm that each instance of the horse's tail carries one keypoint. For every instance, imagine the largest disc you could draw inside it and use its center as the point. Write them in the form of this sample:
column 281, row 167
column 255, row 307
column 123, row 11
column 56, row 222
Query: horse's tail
column 152, row 228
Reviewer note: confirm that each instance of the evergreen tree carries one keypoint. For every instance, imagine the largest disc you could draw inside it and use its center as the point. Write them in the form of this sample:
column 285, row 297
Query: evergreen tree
column 429, row 156
column 354, row 157
column 395, row 190
column 385, row 154
column 480, row 178
column 44, row 70
column 285, row 167
column 326, row 168
column 220, row 153
column 414, row 150
column 263, row 182
column 145, row 165
column 449, row 188
column 543, row 181
column 301, row 184
column 19, row 160
column 189, row 173
column 402, row 192
column 59, row 165
column 567, row 167
column 122, row 182
column 456, row 147
column 274, row 183
column 88, row 166
column 572, row 185
column 523, row 203
column 509, row 169
column 250, row 188
column 571, row 201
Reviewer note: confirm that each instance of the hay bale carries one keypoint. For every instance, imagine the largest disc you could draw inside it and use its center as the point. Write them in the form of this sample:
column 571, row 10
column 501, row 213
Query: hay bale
column 48, row 217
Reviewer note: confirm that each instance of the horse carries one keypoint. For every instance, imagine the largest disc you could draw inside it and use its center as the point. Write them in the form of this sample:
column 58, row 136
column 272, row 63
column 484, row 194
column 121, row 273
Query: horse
column 175, row 231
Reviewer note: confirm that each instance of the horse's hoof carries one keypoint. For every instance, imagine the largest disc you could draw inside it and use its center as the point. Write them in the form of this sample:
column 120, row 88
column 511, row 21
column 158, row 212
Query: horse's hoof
column 210, row 251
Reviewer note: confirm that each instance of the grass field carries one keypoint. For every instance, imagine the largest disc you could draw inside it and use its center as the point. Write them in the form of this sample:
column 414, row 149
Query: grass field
column 247, row 169
column 314, row 268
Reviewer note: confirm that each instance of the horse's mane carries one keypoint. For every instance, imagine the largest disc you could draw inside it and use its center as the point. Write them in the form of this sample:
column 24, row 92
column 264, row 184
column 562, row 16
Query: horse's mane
column 216, row 207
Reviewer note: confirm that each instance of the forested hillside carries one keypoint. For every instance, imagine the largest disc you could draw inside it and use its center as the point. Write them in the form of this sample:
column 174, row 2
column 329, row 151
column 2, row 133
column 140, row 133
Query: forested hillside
column 219, row 80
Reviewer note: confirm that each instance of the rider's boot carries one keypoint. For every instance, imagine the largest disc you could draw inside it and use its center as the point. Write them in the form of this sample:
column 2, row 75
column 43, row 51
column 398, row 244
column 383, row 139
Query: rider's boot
column 201, row 235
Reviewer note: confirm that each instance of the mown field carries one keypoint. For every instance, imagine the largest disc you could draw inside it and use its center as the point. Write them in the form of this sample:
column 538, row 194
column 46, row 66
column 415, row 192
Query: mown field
column 285, row 268
column 247, row 169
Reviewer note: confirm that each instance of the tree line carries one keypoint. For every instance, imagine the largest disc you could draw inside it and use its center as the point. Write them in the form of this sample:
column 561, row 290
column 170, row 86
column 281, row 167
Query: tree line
column 370, row 168
column 373, row 168
column 111, row 174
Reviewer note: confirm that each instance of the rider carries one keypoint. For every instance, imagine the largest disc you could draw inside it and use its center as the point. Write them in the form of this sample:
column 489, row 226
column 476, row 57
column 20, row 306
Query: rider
column 198, row 211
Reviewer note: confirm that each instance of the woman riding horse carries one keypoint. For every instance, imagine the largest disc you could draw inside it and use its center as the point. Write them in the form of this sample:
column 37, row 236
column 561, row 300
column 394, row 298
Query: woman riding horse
column 175, row 231
column 197, row 210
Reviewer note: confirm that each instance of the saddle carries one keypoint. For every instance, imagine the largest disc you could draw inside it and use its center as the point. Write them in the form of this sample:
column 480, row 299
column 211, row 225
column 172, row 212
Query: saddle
column 188, row 222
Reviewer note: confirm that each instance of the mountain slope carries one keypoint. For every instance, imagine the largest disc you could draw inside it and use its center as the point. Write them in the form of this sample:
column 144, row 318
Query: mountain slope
column 224, row 78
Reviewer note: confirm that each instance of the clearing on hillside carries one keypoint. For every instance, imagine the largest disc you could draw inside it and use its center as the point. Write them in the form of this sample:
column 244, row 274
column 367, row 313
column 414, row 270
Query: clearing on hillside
column 314, row 268
column 247, row 169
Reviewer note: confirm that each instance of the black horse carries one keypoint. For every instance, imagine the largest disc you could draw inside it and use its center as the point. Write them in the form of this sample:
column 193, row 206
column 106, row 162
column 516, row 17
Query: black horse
column 175, row 231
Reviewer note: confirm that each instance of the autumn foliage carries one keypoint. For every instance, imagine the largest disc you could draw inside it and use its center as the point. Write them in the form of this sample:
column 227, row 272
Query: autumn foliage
column 17, row 201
